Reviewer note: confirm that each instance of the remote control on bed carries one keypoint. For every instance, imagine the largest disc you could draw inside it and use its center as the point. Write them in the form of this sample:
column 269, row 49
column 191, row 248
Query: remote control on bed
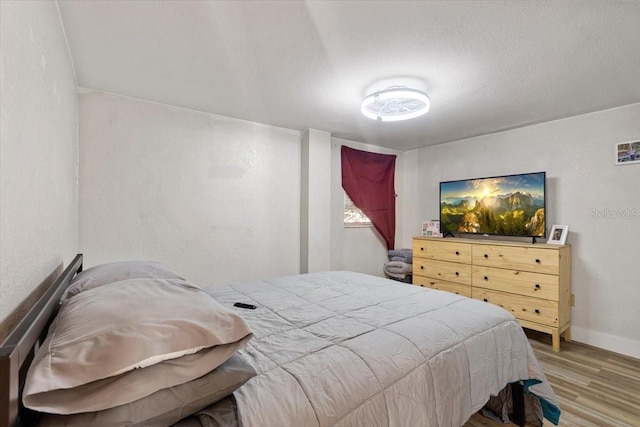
column 243, row 305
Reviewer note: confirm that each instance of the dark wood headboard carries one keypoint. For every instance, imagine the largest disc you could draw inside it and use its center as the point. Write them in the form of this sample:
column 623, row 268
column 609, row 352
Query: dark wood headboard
column 17, row 351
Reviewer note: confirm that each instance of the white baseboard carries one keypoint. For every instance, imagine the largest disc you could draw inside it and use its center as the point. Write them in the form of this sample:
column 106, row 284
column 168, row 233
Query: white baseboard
column 609, row 342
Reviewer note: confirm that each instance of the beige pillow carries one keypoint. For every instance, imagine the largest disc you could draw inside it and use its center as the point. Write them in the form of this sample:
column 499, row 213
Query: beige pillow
column 151, row 329
column 167, row 406
column 105, row 274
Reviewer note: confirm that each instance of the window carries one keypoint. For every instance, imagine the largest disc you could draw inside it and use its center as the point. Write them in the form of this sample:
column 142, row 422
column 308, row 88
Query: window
column 353, row 216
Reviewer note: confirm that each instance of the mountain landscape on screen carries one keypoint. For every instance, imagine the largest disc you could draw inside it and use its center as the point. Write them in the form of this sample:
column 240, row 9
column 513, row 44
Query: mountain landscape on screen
column 511, row 205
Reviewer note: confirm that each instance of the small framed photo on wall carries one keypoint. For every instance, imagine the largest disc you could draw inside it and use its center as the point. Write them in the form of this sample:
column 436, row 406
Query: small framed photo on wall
column 627, row 153
column 558, row 235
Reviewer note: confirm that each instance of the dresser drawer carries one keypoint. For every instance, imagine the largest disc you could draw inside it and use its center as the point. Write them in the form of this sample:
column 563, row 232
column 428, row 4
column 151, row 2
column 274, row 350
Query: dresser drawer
column 536, row 310
column 535, row 285
column 442, row 285
column 441, row 250
column 517, row 258
column 443, row 270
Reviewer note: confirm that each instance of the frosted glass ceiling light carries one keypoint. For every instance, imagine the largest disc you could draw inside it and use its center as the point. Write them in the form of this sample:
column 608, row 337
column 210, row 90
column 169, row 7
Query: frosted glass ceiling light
column 395, row 104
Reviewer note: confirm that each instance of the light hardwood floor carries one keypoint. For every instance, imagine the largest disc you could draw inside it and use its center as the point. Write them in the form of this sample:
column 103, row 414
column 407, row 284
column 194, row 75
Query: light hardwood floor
column 596, row 388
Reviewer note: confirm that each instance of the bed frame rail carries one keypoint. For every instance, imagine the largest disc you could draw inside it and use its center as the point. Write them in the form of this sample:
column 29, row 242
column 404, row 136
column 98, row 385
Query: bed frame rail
column 18, row 349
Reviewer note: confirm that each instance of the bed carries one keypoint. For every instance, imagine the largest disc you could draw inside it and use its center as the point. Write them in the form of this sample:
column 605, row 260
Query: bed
column 323, row 349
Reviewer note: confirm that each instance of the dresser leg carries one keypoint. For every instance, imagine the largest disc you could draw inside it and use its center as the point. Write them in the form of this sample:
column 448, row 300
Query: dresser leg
column 555, row 339
column 567, row 334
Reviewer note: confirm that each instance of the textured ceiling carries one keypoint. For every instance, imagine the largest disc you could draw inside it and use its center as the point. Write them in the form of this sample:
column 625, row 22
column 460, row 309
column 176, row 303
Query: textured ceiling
column 486, row 65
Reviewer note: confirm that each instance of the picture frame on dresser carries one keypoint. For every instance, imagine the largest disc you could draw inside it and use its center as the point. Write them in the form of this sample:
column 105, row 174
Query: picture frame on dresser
column 431, row 228
column 558, row 235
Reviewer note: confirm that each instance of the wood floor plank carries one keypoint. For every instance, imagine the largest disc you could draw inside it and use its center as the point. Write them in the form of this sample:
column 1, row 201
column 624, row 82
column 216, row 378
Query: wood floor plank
column 616, row 401
column 606, row 412
column 570, row 419
column 595, row 387
column 620, row 379
column 613, row 390
column 564, row 387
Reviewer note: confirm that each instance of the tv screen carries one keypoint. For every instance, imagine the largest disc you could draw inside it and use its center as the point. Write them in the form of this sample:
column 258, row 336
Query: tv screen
column 510, row 205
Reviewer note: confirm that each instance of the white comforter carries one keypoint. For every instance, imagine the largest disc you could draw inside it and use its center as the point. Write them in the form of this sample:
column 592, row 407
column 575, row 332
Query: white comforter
column 348, row 349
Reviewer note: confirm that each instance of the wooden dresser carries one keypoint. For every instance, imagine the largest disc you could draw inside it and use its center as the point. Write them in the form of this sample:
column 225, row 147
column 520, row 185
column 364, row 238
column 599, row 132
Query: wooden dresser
column 533, row 281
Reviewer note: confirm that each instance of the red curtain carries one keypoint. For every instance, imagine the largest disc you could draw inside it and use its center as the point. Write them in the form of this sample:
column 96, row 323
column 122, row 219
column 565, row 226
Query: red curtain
column 368, row 180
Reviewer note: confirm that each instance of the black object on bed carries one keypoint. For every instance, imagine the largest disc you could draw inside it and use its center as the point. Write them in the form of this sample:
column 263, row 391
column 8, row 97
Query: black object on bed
column 18, row 349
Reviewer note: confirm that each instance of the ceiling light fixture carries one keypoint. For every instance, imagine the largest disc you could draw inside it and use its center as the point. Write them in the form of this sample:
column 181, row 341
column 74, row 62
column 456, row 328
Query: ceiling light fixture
column 395, row 103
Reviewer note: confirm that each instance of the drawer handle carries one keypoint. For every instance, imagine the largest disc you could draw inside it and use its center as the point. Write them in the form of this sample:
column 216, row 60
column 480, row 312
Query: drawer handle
column 537, row 286
column 537, row 311
column 432, row 283
column 421, row 249
column 457, row 253
column 422, row 286
column 486, row 278
column 537, row 261
column 422, row 267
column 485, row 300
column 486, row 256
column 457, row 274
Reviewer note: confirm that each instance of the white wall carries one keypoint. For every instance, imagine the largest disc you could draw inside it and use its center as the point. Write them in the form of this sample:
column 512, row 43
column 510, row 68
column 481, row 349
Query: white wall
column 583, row 183
column 38, row 152
column 153, row 177
column 361, row 249
column 315, row 215
column 217, row 199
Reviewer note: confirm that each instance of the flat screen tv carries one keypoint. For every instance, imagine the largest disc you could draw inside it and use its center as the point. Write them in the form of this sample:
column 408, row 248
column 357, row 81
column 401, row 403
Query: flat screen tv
column 510, row 205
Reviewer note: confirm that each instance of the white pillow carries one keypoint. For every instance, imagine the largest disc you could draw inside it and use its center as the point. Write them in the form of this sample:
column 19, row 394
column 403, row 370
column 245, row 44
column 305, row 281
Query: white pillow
column 167, row 406
column 115, row 344
column 105, row 274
